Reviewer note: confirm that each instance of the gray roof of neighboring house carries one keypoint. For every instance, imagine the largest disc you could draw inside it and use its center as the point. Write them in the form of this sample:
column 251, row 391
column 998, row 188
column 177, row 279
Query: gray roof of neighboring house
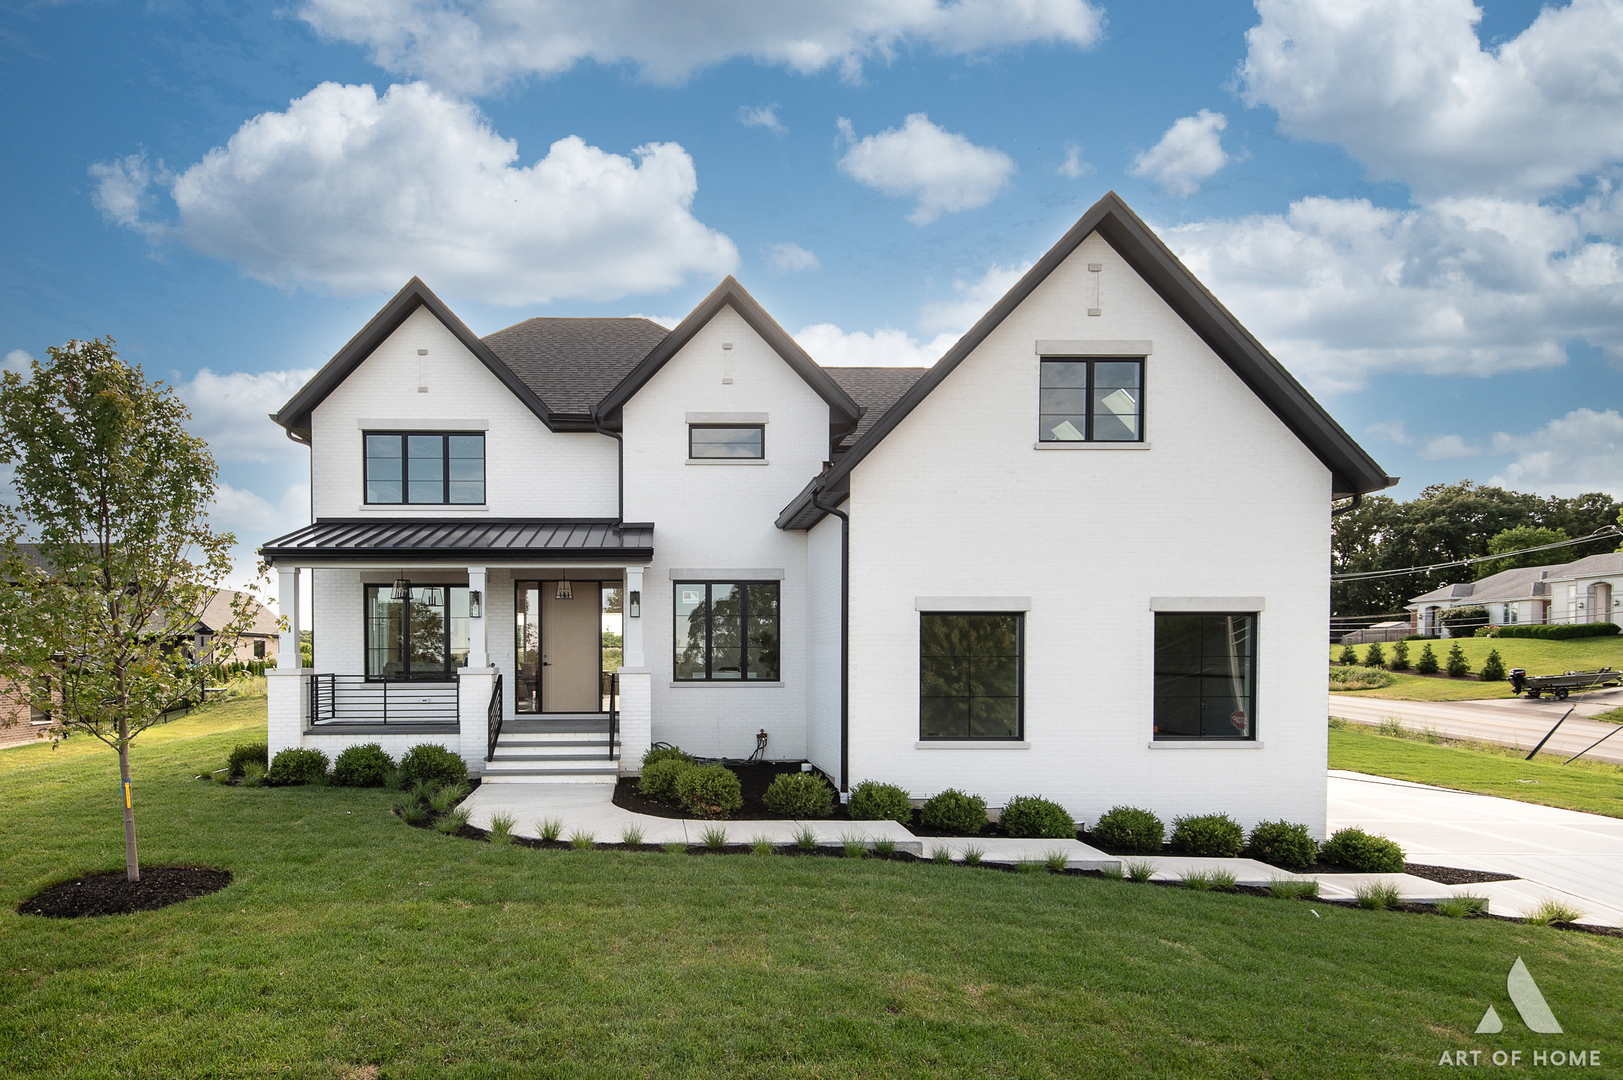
column 875, row 389
column 1527, row 582
column 1609, row 562
column 217, row 613
column 572, row 363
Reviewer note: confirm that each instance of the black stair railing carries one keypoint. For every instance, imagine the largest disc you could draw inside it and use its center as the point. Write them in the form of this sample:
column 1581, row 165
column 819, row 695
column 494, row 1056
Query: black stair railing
column 493, row 718
column 614, row 715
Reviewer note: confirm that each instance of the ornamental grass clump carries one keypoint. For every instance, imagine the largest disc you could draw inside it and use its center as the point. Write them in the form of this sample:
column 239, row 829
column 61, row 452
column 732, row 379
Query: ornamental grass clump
column 501, row 828
column 710, row 791
column 366, row 765
column 1364, row 852
column 1127, row 828
column 873, row 801
column 244, row 754
column 1355, row 677
column 1215, row 836
column 1553, row 912
column 1282, row 843
column 297, row 765
column 1463, row 906
column 253, row 774
column 658, row 780
column 432, row 763
column 1036, row 817
column 954, row 812
column 800, row 795
column 1379, row 895
column 452, row 821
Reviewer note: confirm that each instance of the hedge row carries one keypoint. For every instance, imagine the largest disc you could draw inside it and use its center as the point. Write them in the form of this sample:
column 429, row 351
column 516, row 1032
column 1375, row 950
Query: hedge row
column 1557, row 631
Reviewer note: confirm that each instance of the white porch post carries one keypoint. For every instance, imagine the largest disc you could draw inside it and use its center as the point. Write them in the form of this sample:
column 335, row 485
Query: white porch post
column 478, row 656
column 287, row 687
column 287, row 602
column 636, row 680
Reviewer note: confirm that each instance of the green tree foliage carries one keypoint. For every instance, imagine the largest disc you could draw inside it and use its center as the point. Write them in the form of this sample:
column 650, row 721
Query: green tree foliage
column 1348, row 655
column 1375, row 657
column 1400, row 656
column 1457, row 665
column 1493, row 668
column 1427, row 664
column 111, row 494
column 1523, row 536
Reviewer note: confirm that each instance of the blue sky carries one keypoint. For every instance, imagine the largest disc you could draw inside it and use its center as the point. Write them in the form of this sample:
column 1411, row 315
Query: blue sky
column 1411, row 202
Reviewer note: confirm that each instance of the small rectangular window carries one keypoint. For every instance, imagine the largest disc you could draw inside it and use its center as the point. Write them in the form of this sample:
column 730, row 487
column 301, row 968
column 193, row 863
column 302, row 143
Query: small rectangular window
column 1091, row 400
column 726, row 441
column 1205, row 675
column 425, row 469
column 970, row 675
column 726, row 631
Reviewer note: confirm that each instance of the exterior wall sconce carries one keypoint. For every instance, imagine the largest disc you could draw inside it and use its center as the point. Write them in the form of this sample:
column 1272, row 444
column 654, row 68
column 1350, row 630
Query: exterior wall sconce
column 564, row 591
column 634, row 604
column 473, row 604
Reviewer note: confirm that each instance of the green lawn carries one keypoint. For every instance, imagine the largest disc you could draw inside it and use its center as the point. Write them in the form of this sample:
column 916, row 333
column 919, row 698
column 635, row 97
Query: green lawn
column 349, row 940
column 1595, row 787
column 1538, row 657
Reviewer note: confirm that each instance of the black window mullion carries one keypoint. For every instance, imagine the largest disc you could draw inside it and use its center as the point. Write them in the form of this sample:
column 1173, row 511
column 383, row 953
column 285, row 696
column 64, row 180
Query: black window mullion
column 405, row 471
column 743, row 632
column 708, row 637
column 445, row 500
column 1087, row 402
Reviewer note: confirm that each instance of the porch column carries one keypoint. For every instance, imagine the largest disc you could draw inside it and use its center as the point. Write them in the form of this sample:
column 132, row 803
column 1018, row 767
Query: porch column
column 287, row 603
column 631, row 628
column 478, row 657
column 636, row 681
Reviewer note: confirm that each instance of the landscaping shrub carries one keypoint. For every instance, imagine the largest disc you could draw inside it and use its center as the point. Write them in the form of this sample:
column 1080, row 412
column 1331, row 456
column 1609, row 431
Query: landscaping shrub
column 1427, row 664
column 297, row 766
column 1127, row 828
column 709, row 790
column 431, row 763
column 666, row 753
column 1349, row 655
column 952, row 811
column 1419, row 637
column 1560, row 631
column 1485, row 631
column 1216, row 836
column 1359, row 678
column 800, row 795
column 1463, row 619
column 241, row 755
column 1493, row 668
column 1457, row 666
column 1031, row 816
column 362, row 766
column 1400, row 656
column 1376, row 656
column 1361, row 851
column 873, row 801
column 658, row 780
column 1283, row 843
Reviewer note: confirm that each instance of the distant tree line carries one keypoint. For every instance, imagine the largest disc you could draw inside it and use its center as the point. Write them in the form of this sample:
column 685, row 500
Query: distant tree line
column 1454, row 521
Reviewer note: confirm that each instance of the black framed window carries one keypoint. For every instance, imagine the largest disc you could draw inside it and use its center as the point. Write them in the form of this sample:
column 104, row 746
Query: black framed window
column 1206, row 675
column 971, row 675
column 1091, row 401
column 424, row 636
column 425, row 468
column 727, row 631
column 726, row 441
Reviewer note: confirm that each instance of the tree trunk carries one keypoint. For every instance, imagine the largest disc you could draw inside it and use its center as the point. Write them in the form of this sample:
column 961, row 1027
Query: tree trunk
column 132, row 862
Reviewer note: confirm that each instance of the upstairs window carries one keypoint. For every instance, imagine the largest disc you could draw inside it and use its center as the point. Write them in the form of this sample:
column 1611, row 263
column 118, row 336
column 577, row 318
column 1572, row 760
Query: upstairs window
column 425, row 469
column 1091, row 401
column 726, row 441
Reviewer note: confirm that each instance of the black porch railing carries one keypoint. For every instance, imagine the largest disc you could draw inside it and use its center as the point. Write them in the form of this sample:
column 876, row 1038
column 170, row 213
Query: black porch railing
column 493, row 719
column 355, row 699
column 612, row 678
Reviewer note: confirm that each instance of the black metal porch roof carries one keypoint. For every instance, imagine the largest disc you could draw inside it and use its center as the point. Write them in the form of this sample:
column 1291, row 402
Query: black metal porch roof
column 458, row 540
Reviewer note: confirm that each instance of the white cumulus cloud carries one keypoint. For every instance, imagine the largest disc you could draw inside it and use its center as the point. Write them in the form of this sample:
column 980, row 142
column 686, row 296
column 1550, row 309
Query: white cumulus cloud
column 1073, row 167
column 786, row 258
column 1581, row 451
column 1408, row 89
column 972, row 300
column 255, row 519
column 473, row 46
column 17, row 360
column 943, row 171
column 1449, row 447
column 355, row 193
column 232, row 411
column 832, row 347
column 1391, row 431
column 1189, row 152
column 761, row 116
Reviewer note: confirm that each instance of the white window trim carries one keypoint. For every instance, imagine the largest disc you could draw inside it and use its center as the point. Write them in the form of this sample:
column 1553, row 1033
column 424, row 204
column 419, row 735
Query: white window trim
column 424, row 509
column 972, row 603
column 722, row 682
column 444, row 427
column 726, row 461
column 1101, row 347
column 726, row 575
column 1084, row 445
column 727, row 418
column 1208, row 605
column 972, row 744
column 1205, row 744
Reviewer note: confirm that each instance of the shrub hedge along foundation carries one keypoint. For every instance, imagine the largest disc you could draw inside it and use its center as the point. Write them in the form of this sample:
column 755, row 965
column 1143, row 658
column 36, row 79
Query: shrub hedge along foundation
column 257, row 753
column 873, row 801
column 1283, row 843
column 1127, row 828
column 953, row 811
column 296, row 765
column 366, row 765
column 1033, row 816
column 800, row 795
column 1363, row 852
column 1215, row 836
column 433, row 764
column 711, row 791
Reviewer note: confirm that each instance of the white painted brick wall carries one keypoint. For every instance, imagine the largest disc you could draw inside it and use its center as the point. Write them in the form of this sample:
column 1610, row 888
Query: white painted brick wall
column 823, row 646
column 636, row 720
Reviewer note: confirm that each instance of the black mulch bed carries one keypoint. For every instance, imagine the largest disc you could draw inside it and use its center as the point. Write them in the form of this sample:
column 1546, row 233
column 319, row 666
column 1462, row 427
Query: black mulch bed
column 753, row 780
column 113, row 894
column 1448, row 875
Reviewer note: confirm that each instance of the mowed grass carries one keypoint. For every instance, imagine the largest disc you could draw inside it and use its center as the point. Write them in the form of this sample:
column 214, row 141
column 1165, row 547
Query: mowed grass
column 1538, row 657
column 1595, row 787
column 349, row 940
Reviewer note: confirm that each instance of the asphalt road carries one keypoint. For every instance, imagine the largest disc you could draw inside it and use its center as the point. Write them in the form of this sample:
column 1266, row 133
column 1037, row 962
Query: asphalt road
column 1511, row 721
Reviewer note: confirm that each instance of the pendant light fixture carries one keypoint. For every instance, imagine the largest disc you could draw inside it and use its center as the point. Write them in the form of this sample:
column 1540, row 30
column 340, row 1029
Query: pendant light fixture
column 433, row 596
column 402, row 589
column 564, row 592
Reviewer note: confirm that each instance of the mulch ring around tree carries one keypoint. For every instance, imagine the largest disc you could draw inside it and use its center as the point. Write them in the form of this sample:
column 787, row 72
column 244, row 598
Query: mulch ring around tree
column 113, row 894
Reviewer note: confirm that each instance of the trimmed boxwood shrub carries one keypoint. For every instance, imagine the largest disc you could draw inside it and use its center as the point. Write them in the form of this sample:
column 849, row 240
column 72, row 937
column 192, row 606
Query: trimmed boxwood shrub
column 800, row 795
column 366, row 765
column 257, row 752
column 1364, row 852
column 658, row 780
column 1215, row 836
column 666, row 753
column 1560, row 631
column 1127, row 828
column 432, row 764
column 711, row 791
column 1283, row 843
column 296, row 765
column 1033, row 816
column 952, row 811
column 873, row 801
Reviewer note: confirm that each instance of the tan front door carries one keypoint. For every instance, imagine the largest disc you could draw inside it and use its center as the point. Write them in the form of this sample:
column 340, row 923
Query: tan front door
column 571, row 639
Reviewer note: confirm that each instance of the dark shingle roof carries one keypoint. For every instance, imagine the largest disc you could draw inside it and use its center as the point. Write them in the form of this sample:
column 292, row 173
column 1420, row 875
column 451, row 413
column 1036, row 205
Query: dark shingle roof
column 875, row 389
column 572, row 363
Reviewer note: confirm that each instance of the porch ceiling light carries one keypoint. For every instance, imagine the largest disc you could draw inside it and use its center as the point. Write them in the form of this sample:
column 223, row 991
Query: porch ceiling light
column 402, row 589
column 564, row 592
column 433, row 597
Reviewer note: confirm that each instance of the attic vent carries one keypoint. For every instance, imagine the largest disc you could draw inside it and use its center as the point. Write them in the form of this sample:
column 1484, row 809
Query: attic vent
column 422, row 371
column 1098, row 288
column 726, row 363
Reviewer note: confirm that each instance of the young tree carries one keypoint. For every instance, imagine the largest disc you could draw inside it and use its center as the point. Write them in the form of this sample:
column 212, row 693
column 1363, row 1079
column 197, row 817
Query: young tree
column 1457, row 666
column 1349, row 655
column 1375, row 656
column 112, row 494
column 1400, row 656
column 1427, row 664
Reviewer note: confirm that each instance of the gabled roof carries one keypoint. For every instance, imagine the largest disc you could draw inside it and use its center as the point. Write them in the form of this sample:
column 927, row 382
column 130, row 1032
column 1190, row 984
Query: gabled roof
column 875, row 390
column 844, row 413
column 295, row 415
column 217, row 613
column 1352, row 470
column 572, row 363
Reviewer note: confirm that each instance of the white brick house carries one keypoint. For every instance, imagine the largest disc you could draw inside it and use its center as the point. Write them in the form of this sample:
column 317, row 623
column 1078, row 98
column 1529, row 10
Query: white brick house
column 1085, row 555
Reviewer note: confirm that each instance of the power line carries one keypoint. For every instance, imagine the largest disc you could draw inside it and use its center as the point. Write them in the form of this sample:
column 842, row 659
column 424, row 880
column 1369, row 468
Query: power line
column 1603, row 532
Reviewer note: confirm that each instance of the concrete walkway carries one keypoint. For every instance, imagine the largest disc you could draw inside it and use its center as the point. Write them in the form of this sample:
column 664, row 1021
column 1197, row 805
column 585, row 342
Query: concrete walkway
column 1508, row 721
column 1559, row 854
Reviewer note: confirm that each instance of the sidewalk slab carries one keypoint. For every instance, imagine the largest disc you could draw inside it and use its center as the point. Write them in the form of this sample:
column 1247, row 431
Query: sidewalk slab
column 1002, row 849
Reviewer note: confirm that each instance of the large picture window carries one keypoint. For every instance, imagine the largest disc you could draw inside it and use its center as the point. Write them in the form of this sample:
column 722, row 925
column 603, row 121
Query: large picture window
column 727, row 631
column 970, row 675
column 1205, row 676
column 424, row 636
column 418, row 469
column 1091, row 401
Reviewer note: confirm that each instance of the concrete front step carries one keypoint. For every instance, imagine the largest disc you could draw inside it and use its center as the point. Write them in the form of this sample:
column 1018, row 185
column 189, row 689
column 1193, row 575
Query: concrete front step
column 546, row 738
column 550, row 776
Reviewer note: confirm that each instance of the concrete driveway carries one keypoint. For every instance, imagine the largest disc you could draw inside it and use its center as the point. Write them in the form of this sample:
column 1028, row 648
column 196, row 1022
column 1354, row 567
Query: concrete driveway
column 1557, row 854
column 1511, row 721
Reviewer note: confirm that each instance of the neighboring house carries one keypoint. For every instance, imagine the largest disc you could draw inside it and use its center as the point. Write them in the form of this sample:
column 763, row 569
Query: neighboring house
column 1587, row 590
column 259, row 641
column 1084, row 555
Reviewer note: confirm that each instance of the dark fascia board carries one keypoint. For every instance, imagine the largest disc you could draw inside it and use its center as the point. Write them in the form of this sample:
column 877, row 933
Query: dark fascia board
column 295, row 415
column 843, row 411
column 1352, row 470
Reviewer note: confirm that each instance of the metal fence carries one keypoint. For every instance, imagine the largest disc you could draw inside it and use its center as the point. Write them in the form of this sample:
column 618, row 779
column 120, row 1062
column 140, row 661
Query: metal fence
column 355, row 699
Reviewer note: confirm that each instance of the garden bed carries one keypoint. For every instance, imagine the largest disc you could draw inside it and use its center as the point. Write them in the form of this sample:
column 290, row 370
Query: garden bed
column 753, row 780
column 114, row 894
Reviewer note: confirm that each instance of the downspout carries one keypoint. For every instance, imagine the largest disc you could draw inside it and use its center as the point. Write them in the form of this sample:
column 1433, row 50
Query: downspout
column 1357, row 498
column 620, row 451
column 845, row 640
